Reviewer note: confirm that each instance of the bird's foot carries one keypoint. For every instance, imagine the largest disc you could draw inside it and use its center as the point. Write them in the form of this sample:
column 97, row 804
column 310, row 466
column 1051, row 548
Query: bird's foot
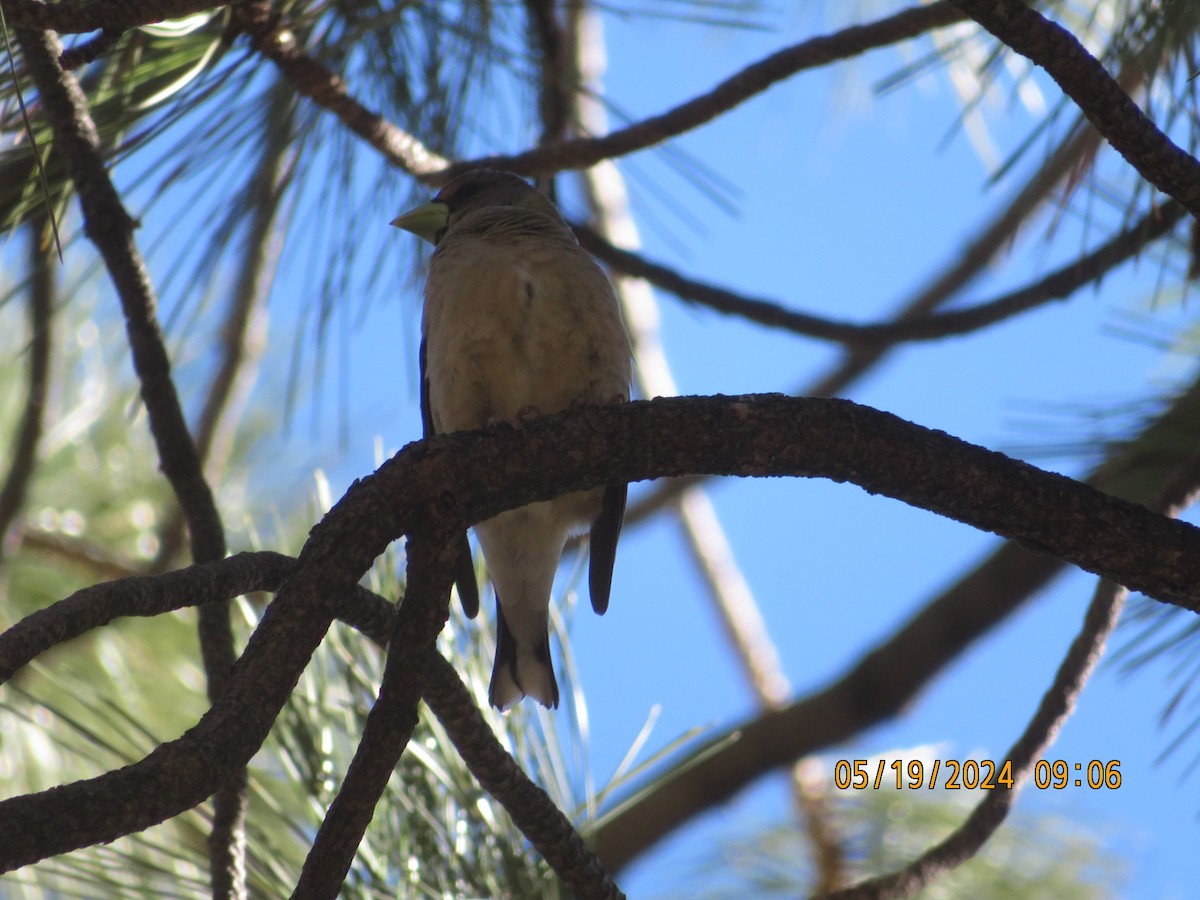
column 517, row 422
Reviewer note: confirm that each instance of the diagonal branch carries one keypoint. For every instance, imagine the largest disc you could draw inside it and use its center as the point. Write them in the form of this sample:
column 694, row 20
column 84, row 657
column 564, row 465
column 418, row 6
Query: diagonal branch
column 270, row 35
column 110, row 227
column 498, row 773
column 1084, row 79
column 582, row 153
column 390, row 724
column 1058, row 285
column 42, row 289
column 1056, row 706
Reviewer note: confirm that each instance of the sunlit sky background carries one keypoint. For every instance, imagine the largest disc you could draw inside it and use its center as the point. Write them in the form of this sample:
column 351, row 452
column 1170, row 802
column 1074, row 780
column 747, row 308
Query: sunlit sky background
column 847, row 202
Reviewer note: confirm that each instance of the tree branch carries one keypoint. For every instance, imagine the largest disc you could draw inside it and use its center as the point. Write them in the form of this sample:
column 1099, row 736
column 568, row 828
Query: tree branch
column 42, row 290
column 730, row 93
column 1058, row 285
column 390, row 724
column 271, row 36
column 1082, row 78
column 90, row 15
column 91, row 49
column 110, row 227
column 1056, row 706
column 498, row 773
column 453, row 480
column 152, row 595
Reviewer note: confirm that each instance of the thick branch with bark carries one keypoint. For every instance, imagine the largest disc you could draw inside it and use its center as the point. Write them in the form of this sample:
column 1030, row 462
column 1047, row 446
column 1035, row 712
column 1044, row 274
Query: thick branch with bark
column 454, row 480
column 885, row 680
column 1084, row 79
column 1056, row 706
column 393, row 718
column 90, row 15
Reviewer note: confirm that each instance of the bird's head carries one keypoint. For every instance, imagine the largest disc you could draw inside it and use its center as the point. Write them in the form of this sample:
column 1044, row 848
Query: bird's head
column 476, row 190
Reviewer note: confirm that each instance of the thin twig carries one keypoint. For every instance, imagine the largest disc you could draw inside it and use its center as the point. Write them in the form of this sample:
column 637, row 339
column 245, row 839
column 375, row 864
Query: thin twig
column 42, row 289
column 1057, row 285
column 497, row 772
column 582, row 153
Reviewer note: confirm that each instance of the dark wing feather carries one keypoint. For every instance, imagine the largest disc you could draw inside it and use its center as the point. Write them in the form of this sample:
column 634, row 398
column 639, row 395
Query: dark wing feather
column 464, row 568
column 606, row 531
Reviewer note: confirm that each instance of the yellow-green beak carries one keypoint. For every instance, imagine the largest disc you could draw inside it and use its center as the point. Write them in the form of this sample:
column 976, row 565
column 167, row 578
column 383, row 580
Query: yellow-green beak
column 425, row 222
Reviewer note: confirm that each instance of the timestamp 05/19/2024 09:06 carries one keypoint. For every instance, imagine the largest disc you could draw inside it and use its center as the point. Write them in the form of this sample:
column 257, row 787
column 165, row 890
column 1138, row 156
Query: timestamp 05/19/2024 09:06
column 970, row 774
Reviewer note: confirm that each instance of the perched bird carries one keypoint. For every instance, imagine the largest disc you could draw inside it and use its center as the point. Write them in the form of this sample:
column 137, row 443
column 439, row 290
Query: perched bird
column 519, row 320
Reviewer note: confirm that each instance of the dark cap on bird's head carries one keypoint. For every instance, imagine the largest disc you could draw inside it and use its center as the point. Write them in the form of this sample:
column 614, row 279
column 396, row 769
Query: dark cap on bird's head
column 473, row 190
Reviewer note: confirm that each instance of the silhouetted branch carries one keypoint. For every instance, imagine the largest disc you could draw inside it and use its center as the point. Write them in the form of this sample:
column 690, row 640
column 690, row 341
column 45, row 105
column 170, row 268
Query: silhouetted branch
column 497, row 772
column 1058, row 285
column 271, row 36
column 729, row 94
column 390, row 724
column 90, row 15
column 1082, row 77
column 110, row 227
column 42, row 289
column 450, row 481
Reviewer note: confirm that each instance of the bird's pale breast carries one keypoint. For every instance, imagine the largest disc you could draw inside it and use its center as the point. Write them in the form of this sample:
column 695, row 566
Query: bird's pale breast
column 517, row 323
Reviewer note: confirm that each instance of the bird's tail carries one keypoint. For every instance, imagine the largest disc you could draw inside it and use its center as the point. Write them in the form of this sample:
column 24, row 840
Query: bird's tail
column 521, row 670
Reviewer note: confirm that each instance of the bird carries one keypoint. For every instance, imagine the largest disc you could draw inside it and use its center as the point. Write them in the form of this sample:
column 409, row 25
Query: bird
column 519, row 320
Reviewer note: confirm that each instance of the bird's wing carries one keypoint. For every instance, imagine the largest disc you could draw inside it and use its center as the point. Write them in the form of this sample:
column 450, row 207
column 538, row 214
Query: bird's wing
column 606, row 531
column 426, row 414
column 464, row 567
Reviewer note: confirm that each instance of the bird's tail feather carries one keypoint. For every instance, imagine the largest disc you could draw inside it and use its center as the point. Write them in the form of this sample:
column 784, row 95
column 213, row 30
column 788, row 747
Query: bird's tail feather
column 521, row 671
